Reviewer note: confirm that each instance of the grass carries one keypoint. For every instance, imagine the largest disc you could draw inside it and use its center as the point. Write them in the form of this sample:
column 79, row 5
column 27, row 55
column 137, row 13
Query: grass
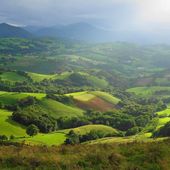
column 55, row 138
column 58, row 137
column 9, row 127
column 102, row 128
column 40, row 77
column 13, row 97
column 12, row 77
column 106, row 96
column 148, row 91
column 87, row 96
column 95, row 100
column 163, row 121
column 164, row 113
column 82, row 96
column 136, row 155
column 58, row 109
column 145, row 137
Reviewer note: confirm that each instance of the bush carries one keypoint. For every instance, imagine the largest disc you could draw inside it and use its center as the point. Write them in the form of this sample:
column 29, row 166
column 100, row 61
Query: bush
column 3, row 137
column 132, row 131
column 32, row 130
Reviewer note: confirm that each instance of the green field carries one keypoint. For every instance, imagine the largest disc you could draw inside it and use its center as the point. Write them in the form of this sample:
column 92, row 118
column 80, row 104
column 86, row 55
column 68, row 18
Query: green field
column 57, row 109
column 106, row 96
column 149, row 91
column 164, row 113
column 13, row 97
column 9, row 127
column 58, row 137
column 12, row 77
column 121, row 140
column 82, row 96
column 89, row 95
column 40, row 77
column 102, row 128
column 55, row 138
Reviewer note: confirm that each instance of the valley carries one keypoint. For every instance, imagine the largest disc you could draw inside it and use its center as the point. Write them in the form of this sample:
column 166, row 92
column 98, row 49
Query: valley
column 79, row 94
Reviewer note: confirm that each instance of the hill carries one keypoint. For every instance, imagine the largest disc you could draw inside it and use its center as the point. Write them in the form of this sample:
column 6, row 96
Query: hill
column 7, row 30
column 9, row 127
column 95, row 100
column 100, row 128
column 13, row 97
column 12, row 77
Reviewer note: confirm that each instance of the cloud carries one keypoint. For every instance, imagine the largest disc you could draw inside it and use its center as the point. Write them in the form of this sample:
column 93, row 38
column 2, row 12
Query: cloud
column 113, row 14
column 154, row 14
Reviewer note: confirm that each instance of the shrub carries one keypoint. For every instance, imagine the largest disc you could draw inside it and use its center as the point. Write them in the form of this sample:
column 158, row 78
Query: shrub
column 32, row 130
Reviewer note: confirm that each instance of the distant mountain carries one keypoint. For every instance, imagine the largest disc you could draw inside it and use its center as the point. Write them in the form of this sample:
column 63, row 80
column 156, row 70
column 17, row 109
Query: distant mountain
column 77, row 31
column 7, row 30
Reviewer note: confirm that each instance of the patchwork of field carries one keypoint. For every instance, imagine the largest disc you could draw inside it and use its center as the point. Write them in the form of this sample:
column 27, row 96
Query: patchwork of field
column 96, row 100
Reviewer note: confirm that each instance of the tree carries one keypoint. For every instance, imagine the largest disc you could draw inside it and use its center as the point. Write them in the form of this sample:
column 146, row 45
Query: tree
column 32, row 130
column 3, row 137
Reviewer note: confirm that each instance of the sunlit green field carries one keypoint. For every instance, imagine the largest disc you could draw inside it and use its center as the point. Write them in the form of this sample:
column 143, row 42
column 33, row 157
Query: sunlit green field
column 40, row 77
column 102, row 128
column 82, row 96
column 164, row 113
column 106, row 96
column 12, row 77
column 58, row 137
column 88, row 95
column 58, row 109
column 148, row 91
column 9, row 127
column 13, row 97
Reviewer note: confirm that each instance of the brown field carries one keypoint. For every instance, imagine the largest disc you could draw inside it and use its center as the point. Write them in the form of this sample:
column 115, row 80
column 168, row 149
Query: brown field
column 95, row 104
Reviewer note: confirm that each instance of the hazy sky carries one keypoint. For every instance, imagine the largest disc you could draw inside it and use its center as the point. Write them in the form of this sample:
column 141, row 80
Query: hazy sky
column 111, row 14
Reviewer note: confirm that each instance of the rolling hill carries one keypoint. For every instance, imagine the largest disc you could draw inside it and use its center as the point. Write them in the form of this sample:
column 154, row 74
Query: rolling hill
column 95, row 100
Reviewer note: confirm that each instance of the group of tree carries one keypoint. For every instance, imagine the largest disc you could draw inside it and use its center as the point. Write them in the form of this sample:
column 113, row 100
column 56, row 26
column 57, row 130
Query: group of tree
column 60, row 98
column 74, row 138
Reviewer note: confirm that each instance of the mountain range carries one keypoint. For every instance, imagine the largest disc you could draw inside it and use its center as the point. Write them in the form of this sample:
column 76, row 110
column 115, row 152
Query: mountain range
column 83, row 32
column 7, row 30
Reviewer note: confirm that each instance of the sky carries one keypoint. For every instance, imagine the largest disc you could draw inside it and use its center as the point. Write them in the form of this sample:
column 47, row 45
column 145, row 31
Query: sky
column 110, row 14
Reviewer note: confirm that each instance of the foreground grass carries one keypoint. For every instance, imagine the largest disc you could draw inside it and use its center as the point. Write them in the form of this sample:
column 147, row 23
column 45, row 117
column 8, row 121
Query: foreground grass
column 127, row 156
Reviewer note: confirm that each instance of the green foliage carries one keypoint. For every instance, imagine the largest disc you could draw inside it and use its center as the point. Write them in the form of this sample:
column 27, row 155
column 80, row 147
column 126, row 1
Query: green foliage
column 163, row 131
column 32, row 130
column 3, row 137
column 132, row 131
column 61, row 98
